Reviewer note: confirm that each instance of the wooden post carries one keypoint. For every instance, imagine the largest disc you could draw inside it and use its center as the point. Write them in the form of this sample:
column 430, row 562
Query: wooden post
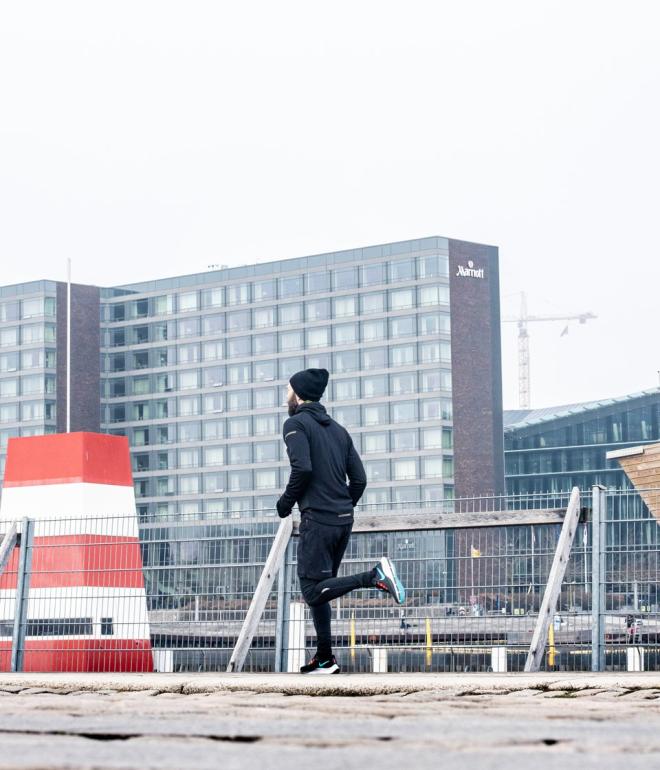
column 555, row 578
column 261, row 594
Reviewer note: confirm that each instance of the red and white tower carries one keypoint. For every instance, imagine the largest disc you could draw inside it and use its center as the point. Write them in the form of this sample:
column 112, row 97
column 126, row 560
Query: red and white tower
column 87, row 607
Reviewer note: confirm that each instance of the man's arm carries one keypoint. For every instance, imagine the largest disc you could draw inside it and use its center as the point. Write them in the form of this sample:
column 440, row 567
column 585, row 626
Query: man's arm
column 297, row 447
column 357, row 478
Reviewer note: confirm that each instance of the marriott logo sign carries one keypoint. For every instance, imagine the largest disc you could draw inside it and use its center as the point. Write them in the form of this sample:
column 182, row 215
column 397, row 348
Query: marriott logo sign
column 470, row 271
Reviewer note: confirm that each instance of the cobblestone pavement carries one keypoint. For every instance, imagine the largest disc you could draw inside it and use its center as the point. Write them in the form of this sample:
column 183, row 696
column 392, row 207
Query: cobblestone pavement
column 373, row 723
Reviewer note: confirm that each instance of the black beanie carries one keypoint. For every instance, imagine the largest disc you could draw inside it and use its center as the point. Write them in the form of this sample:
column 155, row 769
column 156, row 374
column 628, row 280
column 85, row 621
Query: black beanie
column 310, row 383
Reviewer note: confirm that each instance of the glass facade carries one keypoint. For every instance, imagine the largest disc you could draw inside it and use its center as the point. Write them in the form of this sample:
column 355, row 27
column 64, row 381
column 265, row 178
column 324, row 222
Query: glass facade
column 28, row 358
column 194, row 371
column 554, row 450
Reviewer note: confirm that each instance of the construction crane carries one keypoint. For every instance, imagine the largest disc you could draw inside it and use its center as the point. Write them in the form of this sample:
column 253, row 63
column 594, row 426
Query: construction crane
column 524, row 393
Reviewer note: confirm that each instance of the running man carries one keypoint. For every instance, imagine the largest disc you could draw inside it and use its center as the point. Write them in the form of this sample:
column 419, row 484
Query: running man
column 322, row 457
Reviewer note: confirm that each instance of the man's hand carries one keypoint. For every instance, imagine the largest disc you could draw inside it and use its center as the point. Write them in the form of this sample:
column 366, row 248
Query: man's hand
column 282, row 510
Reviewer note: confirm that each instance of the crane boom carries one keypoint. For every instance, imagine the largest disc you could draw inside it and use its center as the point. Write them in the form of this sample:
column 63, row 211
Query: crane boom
column 524, row 386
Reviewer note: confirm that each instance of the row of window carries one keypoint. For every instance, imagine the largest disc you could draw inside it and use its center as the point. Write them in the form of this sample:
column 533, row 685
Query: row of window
column 16, row 310
column 405, row 440
column 284, row 287
column 320, row 336
column 251, row 479
column 32, row 358
column 27, row 334
column 262, row 425
column 28, row 410
column 641, row 424
column 436, row 351
column 30, row 385
column 368, row 386
column 558, row 461
column 266, row 424
column 374, row 499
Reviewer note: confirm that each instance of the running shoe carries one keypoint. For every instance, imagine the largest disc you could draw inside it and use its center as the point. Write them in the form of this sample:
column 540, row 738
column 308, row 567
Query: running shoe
column 316, row 666
column 387, row 580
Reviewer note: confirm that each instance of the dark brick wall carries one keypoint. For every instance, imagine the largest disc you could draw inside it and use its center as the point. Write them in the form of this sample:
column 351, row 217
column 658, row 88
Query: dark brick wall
column 85, row 358
column 476, row 371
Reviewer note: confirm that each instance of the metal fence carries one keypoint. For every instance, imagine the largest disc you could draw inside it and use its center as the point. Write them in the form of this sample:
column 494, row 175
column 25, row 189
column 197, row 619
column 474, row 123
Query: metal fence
column 99, row 594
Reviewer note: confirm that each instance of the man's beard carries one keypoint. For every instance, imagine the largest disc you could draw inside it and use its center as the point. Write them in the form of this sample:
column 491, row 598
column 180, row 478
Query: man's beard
column 293, row 405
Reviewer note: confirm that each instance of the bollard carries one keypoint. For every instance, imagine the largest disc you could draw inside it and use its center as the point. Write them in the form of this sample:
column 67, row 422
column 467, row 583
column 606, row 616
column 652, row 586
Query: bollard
column 163, row 660
column 352, row 636
column 379, row 660
column 635, row 658
column 296, row 646
column 498, row 661
column 429, row 643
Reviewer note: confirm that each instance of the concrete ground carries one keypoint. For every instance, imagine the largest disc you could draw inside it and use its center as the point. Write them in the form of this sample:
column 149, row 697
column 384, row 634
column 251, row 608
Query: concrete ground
column 372, row 722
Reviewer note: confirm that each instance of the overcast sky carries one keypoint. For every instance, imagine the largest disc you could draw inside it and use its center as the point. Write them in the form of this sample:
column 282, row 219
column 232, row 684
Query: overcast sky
column 147, row 139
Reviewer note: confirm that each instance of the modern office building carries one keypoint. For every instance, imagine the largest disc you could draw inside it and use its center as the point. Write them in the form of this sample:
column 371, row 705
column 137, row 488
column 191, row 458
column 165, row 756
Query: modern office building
column 193, row 369
column 554, row 449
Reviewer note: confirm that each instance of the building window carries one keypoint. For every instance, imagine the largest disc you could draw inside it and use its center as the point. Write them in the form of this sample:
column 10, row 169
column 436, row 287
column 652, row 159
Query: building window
column 346, row 390
column 317, row 310
column 372, row 274
column 432, row 467
column 188, row 301
column 238, row 374
column 404, row 440
column 289, row 366
column 402, row 299
column 402, row 270
column 290, row 314
column 239, row 347
column 213, row 324
column 265, row 424
column 317, row 282
column 403, row 383
column 264, row 344
column 434, row 323
column 266, row 451
column 213, row 351
column 189, row 431
column 188, row 458
column 377, row 470
column 9, row 337
column 240, row 454
column 239, row 400
column 403, row 355
column 406, row 495
column 346, row 361
column 213, row 376
column 374, row 386
column 433, row 266
column 345, row 334
column 291, row 286
column 163, row 305
column 214, row 297
column 349, row 416
column 188, row 406
column 374, row 358
column 214, row 455
column 238, row 294
column 263, row 317
column 214, row 429
column 372, row 303
column 264, row 290
column 403, row 326
column 239, row 321
column 265, row 371
column 319, row 361
column 376, row 414
column 344, row 278
column 240, row 481
column 318, row 337
column 266, row 479
column 404, row 411
column 404, row 469
column 214, row 403
column 266, row 397
column 239, row 426
column 374, row 443
column 433, row 295
column 344, row 306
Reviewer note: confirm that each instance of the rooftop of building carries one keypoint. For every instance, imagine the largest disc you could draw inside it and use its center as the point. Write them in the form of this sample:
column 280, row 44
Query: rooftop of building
column 514, row 419
column 257, row 269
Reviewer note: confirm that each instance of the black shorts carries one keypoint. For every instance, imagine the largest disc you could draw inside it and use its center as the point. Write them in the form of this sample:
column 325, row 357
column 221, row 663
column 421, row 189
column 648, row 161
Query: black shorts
column 321, row 548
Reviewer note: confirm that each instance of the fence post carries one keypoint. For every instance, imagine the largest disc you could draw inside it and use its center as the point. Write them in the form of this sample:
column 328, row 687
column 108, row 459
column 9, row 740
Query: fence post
column 598, row 565
column 283, row 598
column 22, row 593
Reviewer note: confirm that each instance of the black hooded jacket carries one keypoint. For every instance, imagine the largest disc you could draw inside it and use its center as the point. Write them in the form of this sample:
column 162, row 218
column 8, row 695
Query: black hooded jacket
column 322, row 456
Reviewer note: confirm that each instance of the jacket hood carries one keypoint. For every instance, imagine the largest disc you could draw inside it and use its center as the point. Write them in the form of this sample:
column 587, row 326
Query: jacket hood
column 316, row 410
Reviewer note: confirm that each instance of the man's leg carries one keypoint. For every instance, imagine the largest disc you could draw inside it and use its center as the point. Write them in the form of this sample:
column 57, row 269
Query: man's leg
column 319, row 592
column 321, row 616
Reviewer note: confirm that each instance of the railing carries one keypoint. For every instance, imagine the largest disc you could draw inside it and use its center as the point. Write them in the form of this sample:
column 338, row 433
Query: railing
column 475, row 571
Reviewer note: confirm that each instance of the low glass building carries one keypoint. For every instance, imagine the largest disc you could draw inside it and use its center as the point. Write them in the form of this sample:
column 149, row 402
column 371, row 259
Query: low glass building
column 554, row 449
